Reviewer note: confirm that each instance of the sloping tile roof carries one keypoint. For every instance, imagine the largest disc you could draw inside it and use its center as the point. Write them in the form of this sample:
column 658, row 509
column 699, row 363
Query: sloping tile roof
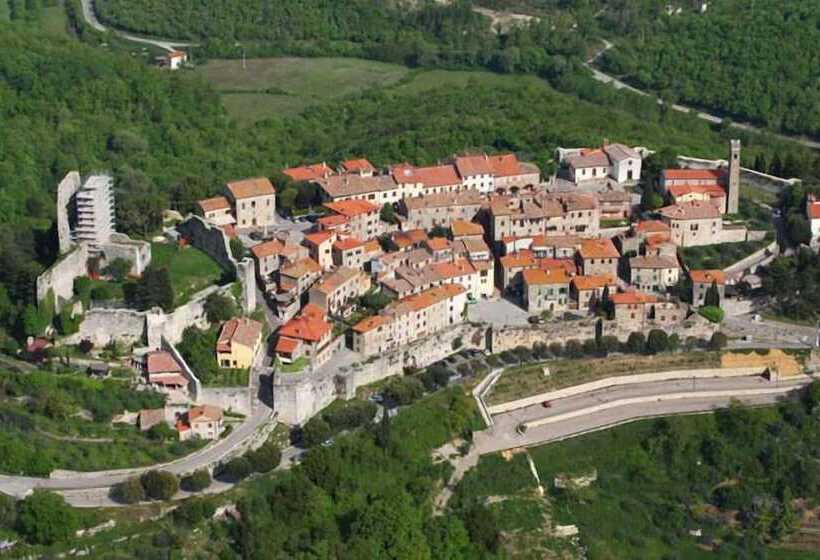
column 619, row 152
column 311, row 172
column 460, row 228
column 351, row 184
column 319, row 237
column 658, row 261
column 708, row 276
column 239, row 330
column 598, row 249
column 287, row 345
column 434, row 176
column 161, row 361
column 624, row 298
column 356, row 165
column 352, row 208
column 301, row 268
column 693, row 174
column 309, row 329
column 539, row 277
column 213, row 204
column 250, row 188
column 594, row 282
column 588, row 158
column 695, row 210
column 333, row 280
column 204, row 413
column 267, row 249
column 470, row 166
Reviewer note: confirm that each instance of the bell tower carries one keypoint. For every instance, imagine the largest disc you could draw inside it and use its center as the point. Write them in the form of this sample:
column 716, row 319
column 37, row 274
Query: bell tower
column 733, row 183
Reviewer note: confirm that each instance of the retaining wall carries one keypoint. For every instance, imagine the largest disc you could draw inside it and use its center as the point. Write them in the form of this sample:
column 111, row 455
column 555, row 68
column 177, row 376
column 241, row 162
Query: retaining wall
column 625, row 380
column 756, row 258
column 59, row 278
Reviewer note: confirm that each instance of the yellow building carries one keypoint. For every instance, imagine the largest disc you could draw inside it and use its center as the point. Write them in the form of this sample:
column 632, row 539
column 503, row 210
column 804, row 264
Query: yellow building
column 238, row 342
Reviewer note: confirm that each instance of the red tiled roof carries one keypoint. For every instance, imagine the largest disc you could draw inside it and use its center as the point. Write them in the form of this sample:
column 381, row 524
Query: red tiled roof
column 168, row 380
column 713, row 191
column 708, row 276
column 692, row 174
column 461, row 228
column 624, row 298
column 519, row 259
column 204, row 413
column 652, row 226
column 370, row 323
column 250, row 188
column 355, row 165
column 240, row 330
column 594, row 282
column 161, row 361
column 435, row 176
column 469, row 166
column 347, row 244
column 309, row 329
column 287, row 345
column 567, row 265
column 352, row 208
column 598, row 249
column 318, row 237
column 213, row 204
column 308, row 172
column 332, row 221
column 505, row 165
column 695, row 210
column 539, row 277
column 267, row 249
column 437, row 243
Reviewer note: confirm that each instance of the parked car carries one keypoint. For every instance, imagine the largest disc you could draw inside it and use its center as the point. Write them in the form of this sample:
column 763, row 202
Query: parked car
column 546, row 404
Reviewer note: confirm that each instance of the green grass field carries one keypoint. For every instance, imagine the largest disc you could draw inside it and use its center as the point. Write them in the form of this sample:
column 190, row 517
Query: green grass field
column 191, row 270
column 523, row 381
column 270, row 87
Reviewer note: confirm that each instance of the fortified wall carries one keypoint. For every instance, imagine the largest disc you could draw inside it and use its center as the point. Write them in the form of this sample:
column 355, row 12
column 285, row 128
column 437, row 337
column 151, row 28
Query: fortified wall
column 59, row 278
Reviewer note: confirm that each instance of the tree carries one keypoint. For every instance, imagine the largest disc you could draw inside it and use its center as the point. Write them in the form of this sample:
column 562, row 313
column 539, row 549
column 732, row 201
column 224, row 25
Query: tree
column 316, row 431
column 266, row 458
column 162, row 432
column 657, row 341
column 45, row 518
column 404, row 390
column 194, row 510
column 160, row 485
column 85, row 346
column 712, row 297
column 8, row 511
column 238, row 468
column 238, row 250
column 390, row 527
column 718, row 341
column 118, row 269
column 448, row 538
column 154, row 289
column 197, row 481
column 388, row 213
column 440, row 231
column 635, row 343
column 482, row 527
column 128, row 491
column 220, row 307
column 384, row 430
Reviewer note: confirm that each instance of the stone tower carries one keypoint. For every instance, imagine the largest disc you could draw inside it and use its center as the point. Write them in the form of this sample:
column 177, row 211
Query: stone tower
column 733, row 185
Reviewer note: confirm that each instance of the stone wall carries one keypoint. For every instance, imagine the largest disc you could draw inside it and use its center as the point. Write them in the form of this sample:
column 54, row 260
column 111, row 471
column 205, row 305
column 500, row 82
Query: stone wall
column 299, row 396
column 771, row 182
column 755, row 259
column 733, row 234
column 194, row 384
column 67, row 188
column 209, row 239
column 138, row 253
column 101, row 326
column 508, row 338
column 236, row 399
column 59, row 278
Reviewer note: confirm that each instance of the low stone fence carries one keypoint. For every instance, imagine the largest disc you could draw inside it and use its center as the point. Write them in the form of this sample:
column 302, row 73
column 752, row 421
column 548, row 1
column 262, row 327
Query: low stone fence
column 756, row 178
column 625, row 380
column 769, row 251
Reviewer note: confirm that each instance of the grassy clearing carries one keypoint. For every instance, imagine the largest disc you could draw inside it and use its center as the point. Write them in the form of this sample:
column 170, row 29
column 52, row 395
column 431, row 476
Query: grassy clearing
column 523, row 381
column 424, row 81
column 298, row 365
column 720, row 255
column 757, row 194
column 191, row 269
column 54, row 21
column 285, row 86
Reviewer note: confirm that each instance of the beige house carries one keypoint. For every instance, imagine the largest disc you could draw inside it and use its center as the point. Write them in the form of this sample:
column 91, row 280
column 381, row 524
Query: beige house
column 598, row 257
column 693, row 223
column 271, row 255
column 543, row 214
column 238, row 343
column 640, row 311
column 404, row 321
column 654, row 273
column 427, row 212
column 254, row 202
column 702, row 280
column 202, row 422
column 545, row 290
column 216, row 210
column 320, row 247
column 362, row 218
column 339, row 289
column 354, row 253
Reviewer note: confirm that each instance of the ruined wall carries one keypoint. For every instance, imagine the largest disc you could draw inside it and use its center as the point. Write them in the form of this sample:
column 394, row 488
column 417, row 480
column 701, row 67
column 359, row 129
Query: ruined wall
column 67, row 188
column 138, row 253
column 60, row 277
column 299, row 396
column 208, row 238
column 101, row 326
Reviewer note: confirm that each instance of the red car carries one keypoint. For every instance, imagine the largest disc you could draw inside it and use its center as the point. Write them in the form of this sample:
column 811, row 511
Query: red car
column 546, row 404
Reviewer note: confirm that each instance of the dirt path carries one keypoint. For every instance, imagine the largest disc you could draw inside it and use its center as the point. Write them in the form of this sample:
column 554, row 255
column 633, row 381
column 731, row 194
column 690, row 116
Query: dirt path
column 90, row 16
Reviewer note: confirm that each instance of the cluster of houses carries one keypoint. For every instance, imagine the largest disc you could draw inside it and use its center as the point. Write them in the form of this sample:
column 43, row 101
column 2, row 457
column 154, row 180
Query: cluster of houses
column 475, row 227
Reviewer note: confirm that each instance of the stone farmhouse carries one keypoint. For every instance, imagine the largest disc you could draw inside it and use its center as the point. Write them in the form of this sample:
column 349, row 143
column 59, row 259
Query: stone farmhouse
column 617, row 162
column 693, row 223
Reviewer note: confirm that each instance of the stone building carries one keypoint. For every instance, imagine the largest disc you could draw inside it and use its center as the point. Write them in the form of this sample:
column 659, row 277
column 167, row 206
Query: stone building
column 654, row 273
column 598, row 257
column 545, row 290
column 427, row 212
column 306, row 335
column 618, row 162
column 702, row 280
column 339, row 289
column 320, row 247
column 253, row 201
column 693, row 223
column 361, row 218
column 409, row 319
column 586, row 290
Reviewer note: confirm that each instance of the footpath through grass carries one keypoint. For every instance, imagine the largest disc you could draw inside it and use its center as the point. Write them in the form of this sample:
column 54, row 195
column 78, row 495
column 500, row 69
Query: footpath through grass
column 527, row 380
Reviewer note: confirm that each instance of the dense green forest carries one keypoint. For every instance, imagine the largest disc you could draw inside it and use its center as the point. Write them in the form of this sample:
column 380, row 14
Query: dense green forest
column 755, row 60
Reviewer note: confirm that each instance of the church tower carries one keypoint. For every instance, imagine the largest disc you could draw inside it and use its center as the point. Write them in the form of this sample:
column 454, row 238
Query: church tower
column 733, row 185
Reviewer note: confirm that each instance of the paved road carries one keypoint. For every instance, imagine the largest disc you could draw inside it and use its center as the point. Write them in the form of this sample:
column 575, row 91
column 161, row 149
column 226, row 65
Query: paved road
column 618, row 84
column 585, row 416
column 19, row 485
column 91, row 19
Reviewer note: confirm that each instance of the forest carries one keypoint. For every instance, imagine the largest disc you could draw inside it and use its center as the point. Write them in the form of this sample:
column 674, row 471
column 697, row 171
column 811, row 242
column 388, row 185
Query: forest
column 756, row 61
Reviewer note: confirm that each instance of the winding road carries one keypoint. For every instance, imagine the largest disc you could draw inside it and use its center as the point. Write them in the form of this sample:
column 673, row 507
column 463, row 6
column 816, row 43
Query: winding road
column 90, row 16
column 619, row 84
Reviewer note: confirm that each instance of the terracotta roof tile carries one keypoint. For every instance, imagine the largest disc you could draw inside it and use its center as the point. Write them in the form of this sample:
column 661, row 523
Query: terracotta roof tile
column 214, row 204
column 434, row 176
column 598, row 249
column 460, row 228
column 161, row 361
column 594, row 282
column 624, row 298
column 241, row 330
column 695, row 210
column 308, row 172
column 357, row 165
column 708, row 276
column 250, row 188
column 352, row 208
column 539, row 277
column 693, row 174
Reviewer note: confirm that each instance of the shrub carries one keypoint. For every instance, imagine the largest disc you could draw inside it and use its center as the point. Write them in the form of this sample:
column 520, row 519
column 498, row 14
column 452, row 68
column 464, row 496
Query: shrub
column 194, row 510
column 128, row 492
column 352, row 415
column 556, row 348
column 457, row 343
column 264, row 459
column 161, row 432
column 635, row 343
column 718, row 341
column 45, row 518
column 238, row 468
column 197, row 481
column 160, row 485
column 85, row 346
column 316, row 431
column 8, row 511
column 118, row 269
column 219, row 308
column 713, row 314
column 657, row 341
column 573, row 349
column 404, row 391
column 435, row 376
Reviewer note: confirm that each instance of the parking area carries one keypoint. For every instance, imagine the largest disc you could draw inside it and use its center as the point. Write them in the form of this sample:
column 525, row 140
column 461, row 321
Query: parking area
column 498, row 312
